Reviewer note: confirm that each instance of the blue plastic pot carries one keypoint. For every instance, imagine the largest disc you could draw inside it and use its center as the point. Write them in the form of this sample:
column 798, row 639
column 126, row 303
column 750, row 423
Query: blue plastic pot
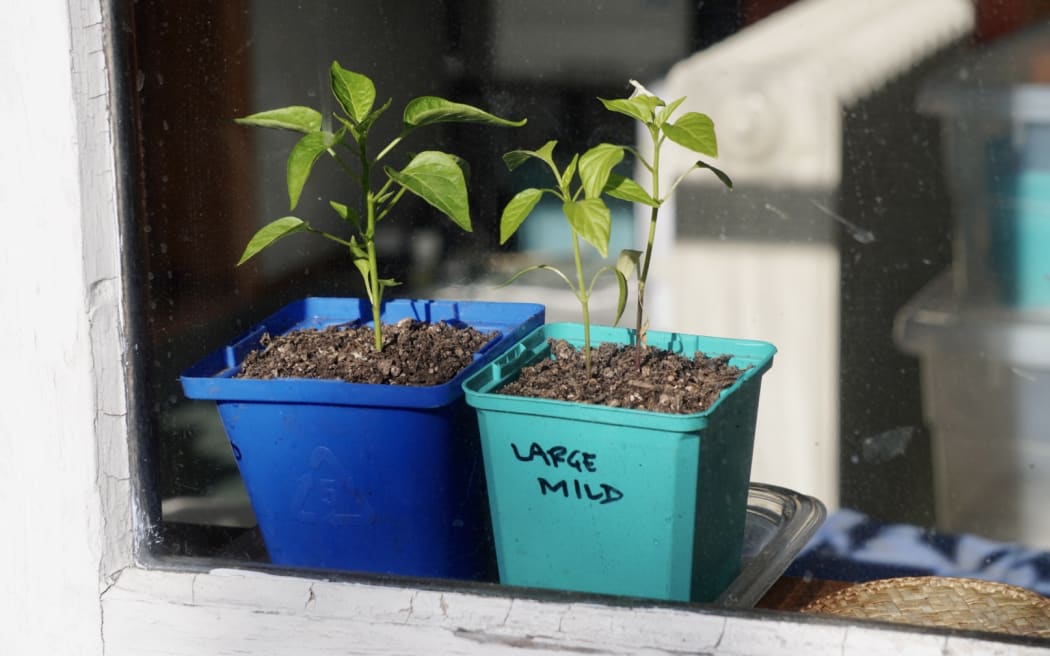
column 376, row 478
column 608, row 500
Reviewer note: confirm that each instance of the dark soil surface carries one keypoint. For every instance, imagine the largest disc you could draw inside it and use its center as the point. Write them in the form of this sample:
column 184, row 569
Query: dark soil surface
column 665, row 382
column 414, row 353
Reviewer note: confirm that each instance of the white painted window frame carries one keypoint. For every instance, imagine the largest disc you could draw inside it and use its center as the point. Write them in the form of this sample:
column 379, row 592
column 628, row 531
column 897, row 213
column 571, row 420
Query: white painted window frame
column 67, row 554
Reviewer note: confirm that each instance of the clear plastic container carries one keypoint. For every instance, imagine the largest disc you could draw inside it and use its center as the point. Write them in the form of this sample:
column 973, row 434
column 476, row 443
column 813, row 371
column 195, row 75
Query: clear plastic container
column 986, row 397
column 994, row 107
column 779, row 524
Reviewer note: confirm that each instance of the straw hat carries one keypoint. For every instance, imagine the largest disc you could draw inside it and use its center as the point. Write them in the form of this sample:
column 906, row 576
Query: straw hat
column 968, row 604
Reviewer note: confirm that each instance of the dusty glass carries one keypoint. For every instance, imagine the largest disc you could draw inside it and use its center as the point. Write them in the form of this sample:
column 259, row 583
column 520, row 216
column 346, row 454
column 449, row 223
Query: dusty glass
column 849, row 239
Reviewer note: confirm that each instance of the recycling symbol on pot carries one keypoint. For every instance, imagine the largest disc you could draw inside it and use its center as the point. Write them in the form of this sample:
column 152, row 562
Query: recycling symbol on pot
column 326, row 494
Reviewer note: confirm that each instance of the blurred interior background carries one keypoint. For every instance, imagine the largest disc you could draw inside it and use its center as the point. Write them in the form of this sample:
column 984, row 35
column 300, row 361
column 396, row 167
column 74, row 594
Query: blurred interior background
column 888, row 229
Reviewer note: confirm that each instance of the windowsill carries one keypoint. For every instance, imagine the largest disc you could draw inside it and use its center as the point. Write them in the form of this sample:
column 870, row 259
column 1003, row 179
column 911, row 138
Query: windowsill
column 234, row 610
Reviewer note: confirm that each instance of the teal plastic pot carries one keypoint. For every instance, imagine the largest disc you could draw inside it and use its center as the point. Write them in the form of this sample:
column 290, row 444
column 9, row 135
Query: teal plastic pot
column 373, row 478
column 615, row 501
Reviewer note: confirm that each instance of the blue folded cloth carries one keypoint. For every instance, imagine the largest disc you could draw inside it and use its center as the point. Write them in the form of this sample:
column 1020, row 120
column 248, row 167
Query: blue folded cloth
column 851, row 546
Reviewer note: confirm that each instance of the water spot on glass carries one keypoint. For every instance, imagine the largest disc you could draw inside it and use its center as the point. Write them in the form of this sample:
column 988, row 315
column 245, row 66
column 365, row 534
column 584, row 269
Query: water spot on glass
column 1027, row 375
column 163, row 247
column 887, row 445
column 140, row 80
column 858, row 233
column 776, row 210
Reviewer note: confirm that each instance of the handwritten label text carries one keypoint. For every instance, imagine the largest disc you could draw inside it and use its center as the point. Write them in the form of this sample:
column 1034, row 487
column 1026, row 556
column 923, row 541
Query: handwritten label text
column 561, row 457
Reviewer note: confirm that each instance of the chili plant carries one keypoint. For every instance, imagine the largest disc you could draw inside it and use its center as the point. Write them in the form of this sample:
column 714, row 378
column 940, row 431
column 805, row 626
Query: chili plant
column 436, row 177
column 588, row 216
column 692, row 130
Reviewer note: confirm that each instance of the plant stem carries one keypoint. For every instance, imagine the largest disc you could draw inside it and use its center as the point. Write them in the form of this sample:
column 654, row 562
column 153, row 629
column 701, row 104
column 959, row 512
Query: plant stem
column 375, row 290
column 373, row 271
column 645, row 274
column 653, row 215
column 390, row 146
column 584, row 295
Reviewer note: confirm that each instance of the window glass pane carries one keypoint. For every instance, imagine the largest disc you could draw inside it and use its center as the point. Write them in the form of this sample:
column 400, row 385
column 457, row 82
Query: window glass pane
column 883, row 230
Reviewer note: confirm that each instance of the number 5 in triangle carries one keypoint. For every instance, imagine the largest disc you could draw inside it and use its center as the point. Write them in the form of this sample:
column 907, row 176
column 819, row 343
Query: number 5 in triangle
column 326, row 494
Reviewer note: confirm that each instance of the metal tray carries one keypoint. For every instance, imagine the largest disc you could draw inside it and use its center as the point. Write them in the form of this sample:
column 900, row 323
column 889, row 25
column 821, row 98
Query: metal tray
column 779, row 524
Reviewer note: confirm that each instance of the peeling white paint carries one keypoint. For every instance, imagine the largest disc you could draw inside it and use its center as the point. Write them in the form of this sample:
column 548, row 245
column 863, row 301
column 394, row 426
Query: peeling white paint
column 49, row 493
column 177, row 612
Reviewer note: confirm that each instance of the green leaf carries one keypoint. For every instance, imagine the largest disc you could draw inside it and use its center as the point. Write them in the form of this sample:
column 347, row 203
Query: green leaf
column 621, row 284
column 695, row 131
column 624, row 188
column 516, row 211
column 351, row 127
column 384, row 197
column 347, row 214
column 301, row 161
column 621, row 300
column 545, row 153
column 428, row 110
column 628, row 261
column 637, row 107
column 366, row 124
column 358, row 252
column 666, row 112
column 718, row 172
column 591, row 219
column 436, row 178
column 384, row 202
column 300, row 119
column 342, row 210
column 270, row 233
column 463, row 165
column 539, row 267
column 355, row 92
column 595, row 166
column 570, row 170
column 361, row 264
